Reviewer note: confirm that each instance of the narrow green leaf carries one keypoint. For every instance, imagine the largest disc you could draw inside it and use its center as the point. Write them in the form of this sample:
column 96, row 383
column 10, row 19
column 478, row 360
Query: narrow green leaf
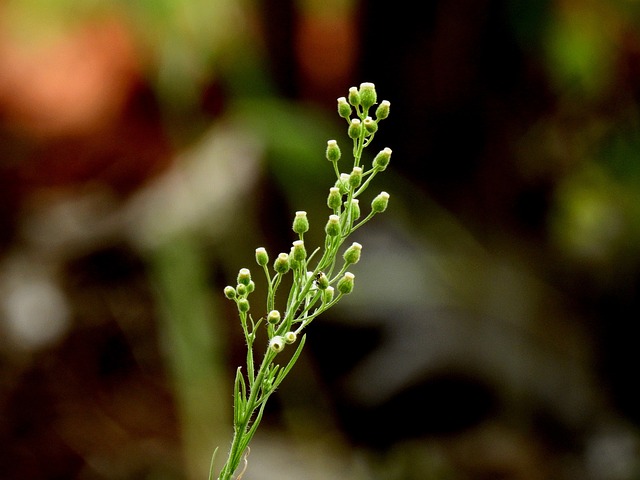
column 294, row 358
column 212, row 464
column 239, row 397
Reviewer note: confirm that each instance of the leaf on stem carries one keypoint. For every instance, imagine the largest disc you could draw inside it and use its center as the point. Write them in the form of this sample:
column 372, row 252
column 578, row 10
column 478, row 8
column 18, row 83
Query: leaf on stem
column 240, row 396
column 285, row 371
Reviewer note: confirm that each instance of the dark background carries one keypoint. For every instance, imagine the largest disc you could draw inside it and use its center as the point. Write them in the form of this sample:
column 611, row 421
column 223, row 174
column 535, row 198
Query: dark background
column 147, row 150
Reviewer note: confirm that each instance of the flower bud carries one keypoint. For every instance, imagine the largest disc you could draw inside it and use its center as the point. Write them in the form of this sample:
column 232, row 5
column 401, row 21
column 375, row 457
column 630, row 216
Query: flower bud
column 327, row 295
column 281, row 264
column 293, row 262
column 262, row 258
column 333, row 151
column 379, row 204
column 345, row 284
column 241, row 290
column 355, row 179
column 355, row 209
column 244, row 276
column 251, row 286
column 335, row 198
column 354, row 96
column 343, row 183
column 273, row 317
column 230, row 292
column 382, row 159
column 298, row 252
column 355, row 128
column 300, row 222
column 370, row 125
column 333, row 226
column 368, row 96
column 322, row 281
column 344, row 109
column 290, row 337
column 352, row 254
column 243, row 305
column 276, row 344
column 382, row 111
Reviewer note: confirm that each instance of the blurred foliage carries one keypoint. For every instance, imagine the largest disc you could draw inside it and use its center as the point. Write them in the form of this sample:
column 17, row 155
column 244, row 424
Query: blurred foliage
column 191, row 334
column 295, row 138
column 516, row 134
column 181, row 41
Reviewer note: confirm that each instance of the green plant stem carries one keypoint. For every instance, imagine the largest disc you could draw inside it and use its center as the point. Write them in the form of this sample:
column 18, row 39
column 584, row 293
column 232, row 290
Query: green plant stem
column 244, row 413
column 312, row 289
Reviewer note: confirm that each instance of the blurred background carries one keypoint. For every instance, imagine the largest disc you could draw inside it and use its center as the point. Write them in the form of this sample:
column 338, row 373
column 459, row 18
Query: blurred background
column 147, row 148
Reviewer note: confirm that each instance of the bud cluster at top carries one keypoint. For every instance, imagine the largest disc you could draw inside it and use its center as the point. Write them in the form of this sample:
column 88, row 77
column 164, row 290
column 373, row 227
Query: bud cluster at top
column 361, row 110
column 362, row 99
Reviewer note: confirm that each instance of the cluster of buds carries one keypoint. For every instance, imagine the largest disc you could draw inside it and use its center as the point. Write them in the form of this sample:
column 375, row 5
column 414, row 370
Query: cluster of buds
column 362, row 99
column 241, row 291
column 318, row 281
column 362, row 128
column 345, row 212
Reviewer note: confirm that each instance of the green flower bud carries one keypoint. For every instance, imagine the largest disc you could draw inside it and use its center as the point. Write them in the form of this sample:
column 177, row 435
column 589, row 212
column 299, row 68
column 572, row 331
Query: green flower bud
column 343, row 183
column 327, row 295
column 250, row 287
column 244, row 276
column 262, row 258
column 370, row 125
column 382, row 159
column 354, row 96
column 355, row 208
column 300, row 222
column 355, row 128
column 355, row 179
column 379, row 204
column 368, row 96
column 273, row 317
column 293, row 262
column 230, row 292
column 241, row 290
column 333, row 226
column 333, row 151
column 344, row 109
column 276, row 344
column 352, row 254
column 322, row 281
column 281, row 264
column 345, row 284
column 335, row 198
column 298, row 252
column 243, row 305
column 290, row 337
column 382, row 111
